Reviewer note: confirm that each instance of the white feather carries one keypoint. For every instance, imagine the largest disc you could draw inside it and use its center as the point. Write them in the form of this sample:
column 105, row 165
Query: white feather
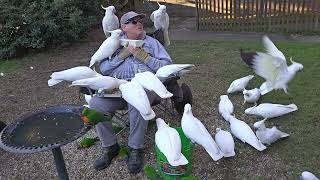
column 160, row 20
column 269, row 110
column 166, row 71
column 239, row 84
column 134, row 94
column 169, row 143
column 107, row 48
column 99, row 83
column 225, row 142
column 149, row 81
column 72, row 74
column 225, row 106
column 110, row 21
column 268, row 135
column 197, row 132
column 242, row 131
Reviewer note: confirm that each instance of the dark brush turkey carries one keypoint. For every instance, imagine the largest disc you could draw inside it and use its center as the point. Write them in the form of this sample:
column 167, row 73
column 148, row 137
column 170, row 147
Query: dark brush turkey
column 247, row 57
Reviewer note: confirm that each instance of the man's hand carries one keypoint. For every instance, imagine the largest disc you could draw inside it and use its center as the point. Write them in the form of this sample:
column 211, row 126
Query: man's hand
column 138, row 53
column 124, row 53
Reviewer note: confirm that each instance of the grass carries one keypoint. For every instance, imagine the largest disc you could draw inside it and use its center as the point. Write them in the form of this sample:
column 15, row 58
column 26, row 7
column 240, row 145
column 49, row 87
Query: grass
column 219, row 63
column 11, row 65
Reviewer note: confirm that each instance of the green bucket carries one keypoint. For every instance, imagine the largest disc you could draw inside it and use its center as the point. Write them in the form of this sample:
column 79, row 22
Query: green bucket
column 172, row 172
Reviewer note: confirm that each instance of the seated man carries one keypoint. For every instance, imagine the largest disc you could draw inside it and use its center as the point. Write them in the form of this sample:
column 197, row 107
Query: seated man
column 124, row 64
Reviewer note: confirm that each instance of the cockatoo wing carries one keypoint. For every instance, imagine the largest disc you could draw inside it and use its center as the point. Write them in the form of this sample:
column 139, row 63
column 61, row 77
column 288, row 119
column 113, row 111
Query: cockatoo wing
column 243, row 132
column 270, row 68
column 169, row 143
column 72, row 74
column 166, row 71
column 272, row 49
column 149, row 81
column 134, row 94
column 225, row 142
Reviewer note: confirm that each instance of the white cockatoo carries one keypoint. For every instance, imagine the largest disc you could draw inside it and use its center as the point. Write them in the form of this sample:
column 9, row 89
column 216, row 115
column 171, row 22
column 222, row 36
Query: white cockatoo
column 306, row 175
column 107, row 48
column 239, row 84
column 272, row 66
column 225, row 142
column 110, row 21
column 134, row 94
column 268, row 135
column 101, row 83
column 149, row 81
column 160, row 19
column 269, row 110
column 169, row 143
column 197, row 132
column 242, row 131
column 72, row 74
column 251, row 96
column 225, row 107
column 173, row 69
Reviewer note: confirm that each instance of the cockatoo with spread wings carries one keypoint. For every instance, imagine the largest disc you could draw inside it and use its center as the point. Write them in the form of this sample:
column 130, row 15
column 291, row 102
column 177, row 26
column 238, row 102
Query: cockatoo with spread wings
column 272, row 66
column 110, row 21
column 160, row 19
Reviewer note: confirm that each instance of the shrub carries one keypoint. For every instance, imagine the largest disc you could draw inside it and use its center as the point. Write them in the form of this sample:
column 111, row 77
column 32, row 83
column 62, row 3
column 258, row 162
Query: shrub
column 36, row 24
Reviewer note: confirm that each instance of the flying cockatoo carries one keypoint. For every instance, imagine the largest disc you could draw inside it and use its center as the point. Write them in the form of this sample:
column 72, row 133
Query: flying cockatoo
column 134, row 94
column 268, row 135
column 110, row 21
column 101, row 83
column 251, row 96
column 272, row 66
column 169, row 143
column 308, row 176
column 160, row 19
column 107, row 48
column 269, row 110
column 72, row 74
column 173, row 69
column 239, row 84
column 197, row 132
column 242, row 131
column 225, row 142
column 149, row 81
column 225, row 106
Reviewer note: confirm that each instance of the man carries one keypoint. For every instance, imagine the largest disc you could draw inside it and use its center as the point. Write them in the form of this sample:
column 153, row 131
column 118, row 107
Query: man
column 124, row 64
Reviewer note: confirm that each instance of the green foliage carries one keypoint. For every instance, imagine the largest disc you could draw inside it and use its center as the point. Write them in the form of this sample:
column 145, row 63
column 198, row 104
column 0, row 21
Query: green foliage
column 35, row 24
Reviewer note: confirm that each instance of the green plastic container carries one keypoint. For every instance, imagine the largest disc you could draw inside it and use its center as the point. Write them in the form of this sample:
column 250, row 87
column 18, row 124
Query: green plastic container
column 173, row 172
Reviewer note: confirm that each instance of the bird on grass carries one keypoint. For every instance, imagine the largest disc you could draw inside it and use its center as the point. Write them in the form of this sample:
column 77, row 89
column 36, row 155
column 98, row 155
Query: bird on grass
column 197, row 133
column 272, row 66
column 268, row 135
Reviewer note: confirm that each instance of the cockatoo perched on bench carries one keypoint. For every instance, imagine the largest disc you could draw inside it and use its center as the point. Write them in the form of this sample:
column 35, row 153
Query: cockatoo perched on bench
column 110, row 21
column 107, row 48
column 160, row 19
column 272, row 66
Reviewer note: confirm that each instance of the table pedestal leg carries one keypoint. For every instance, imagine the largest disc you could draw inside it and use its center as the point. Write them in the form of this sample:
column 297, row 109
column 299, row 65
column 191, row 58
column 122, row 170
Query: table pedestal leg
column 60, row 165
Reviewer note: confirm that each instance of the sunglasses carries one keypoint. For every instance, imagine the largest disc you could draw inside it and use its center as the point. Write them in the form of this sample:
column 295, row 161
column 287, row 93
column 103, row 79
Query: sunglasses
column 134, row 22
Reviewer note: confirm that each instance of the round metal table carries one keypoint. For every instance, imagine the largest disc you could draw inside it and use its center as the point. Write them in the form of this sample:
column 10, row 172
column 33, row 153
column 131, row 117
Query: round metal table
column 47, row 129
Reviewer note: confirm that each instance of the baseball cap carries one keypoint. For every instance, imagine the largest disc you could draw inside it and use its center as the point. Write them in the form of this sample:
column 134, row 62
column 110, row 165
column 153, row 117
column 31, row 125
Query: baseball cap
column 129, row 15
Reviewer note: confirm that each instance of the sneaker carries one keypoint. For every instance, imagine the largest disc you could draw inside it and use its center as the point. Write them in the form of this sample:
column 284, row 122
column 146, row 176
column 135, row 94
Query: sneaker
column 187, row 98
column 135, row 160
column 108, row 154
